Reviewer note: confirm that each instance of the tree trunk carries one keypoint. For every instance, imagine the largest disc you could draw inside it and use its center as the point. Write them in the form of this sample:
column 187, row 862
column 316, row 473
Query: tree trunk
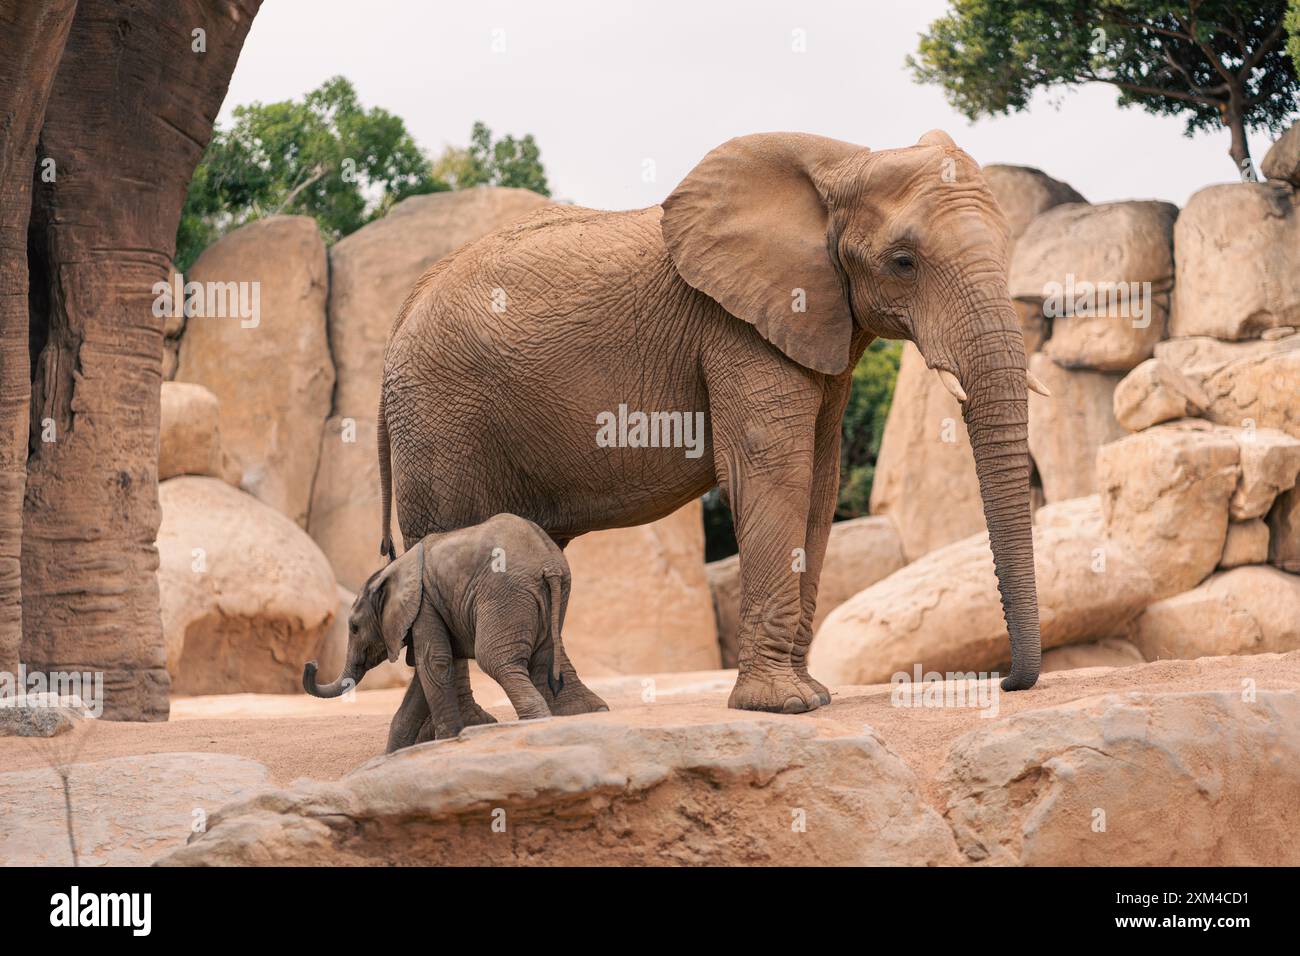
column 32, row 35
column 1234, row 119
column 129, row 117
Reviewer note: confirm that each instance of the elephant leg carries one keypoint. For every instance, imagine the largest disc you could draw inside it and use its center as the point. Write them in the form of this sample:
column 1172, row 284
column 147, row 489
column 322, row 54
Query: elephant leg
column 821, row 513
column 503, row 646
column 767, row 468
column 574, row 697
column 435, row 669
column 411, row 718
column 470, row 711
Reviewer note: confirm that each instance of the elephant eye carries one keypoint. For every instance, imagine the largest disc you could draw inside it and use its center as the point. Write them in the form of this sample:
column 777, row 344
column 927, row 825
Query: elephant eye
column 352, row 627
column 903, row 264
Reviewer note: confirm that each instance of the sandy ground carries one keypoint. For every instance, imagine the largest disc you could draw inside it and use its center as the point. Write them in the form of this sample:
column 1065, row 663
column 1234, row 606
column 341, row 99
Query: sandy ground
column 297, row 736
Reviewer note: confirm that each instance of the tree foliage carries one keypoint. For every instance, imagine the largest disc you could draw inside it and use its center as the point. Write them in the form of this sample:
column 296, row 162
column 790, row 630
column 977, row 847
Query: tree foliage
column 328, row 157
column 1293, row 28
column 1213, row 62
column 487, row 162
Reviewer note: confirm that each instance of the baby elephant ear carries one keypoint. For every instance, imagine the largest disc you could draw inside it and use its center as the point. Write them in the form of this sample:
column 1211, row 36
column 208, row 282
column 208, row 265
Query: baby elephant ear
column 749, row 227
column 398, row 591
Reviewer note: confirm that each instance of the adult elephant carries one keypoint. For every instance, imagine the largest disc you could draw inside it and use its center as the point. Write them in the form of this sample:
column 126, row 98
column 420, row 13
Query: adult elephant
column 748, row 296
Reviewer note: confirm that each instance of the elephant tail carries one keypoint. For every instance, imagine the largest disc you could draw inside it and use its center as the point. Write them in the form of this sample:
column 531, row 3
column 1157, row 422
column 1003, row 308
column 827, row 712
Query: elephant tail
column 555, row 676
column 385, row 484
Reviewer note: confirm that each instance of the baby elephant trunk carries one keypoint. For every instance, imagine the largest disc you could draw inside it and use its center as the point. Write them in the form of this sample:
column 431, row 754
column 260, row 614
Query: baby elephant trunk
column 554, row 676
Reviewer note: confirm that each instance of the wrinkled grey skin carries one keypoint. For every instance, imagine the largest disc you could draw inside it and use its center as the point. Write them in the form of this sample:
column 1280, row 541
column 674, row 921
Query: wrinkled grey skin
column 495, row 592
column 749, row 295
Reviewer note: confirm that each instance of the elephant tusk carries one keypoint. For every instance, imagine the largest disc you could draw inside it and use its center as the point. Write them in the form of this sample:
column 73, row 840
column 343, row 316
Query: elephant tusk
column 952, row 385
column 1036, row 385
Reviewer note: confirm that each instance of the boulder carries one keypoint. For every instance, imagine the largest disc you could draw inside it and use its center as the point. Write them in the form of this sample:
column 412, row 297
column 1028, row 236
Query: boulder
column 944, row 612
column 1282, row 161
column 1165, row 494
column 189, row 435
column 1284, row 532
column 1246, row 543
column 246, row 595
column 1247, row 384
column 1270, row 464
column 1237, row 248
column 126, row 811
column 271, row 371
column 1023, row 192
column 1140, row 779
column 859, row 553
column 618, row 789
column 1156, row 392
column 1248, row 610
column 641, row 600
column 345, row 504
column 1066, row 429
column 39, row 715
column 371, row 272
column 1102, row 275
column 1112, row 652
column 925, row 472
column 333, row 653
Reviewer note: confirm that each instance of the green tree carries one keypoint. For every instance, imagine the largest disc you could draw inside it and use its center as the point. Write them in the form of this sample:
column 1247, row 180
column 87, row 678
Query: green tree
column 323, row 156
column 861, row 431
column 485, row 162
column 1213, row 62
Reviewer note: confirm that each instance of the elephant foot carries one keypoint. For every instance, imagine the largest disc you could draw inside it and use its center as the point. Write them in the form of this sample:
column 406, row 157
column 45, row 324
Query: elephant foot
column 817, row 686
column 474, row 715
column 581, row 701
column 776, row 691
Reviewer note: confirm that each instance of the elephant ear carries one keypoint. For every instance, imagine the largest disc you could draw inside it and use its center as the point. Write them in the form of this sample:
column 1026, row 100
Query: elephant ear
column 395, row 596
column 749, row 228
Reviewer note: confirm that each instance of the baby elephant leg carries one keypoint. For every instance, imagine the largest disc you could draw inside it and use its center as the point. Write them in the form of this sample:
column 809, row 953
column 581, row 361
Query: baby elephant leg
column 411, row 724
column 436, row 671
column 470, row 711
column 503, row 647
column 574, row 696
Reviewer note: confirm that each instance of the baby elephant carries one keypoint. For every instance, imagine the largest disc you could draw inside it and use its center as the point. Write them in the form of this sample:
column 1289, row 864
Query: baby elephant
column 496, row 592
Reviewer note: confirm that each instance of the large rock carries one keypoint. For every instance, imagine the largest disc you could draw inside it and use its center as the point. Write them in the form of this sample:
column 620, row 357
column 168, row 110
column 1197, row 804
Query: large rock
column 1102, row 275
column 615, row 789
column 1156, row 392
column 1237, row 247
column 1190, row 779
column 371, row 272
column 859, row 553
column 271, row 372
column 1023, row 192
column 246, row 595
column 1247, row 384
column 1284, row 531
column 1270, row 464
column 944, row 611
column 189, row 434
column 925, row 472
column 1165, row 495
column 1111, row 652
column 1066, row 429
column 641, row 600
column 1282, row 161
column 1248, row 610
column 126, row 811
column 1246, row 543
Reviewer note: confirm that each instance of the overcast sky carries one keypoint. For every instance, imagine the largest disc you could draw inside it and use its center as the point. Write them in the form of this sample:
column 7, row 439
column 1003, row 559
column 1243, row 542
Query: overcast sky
column 609, row 87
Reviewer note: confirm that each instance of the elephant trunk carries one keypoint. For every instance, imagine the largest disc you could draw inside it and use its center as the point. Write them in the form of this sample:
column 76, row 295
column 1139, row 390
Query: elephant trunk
column 346, row 681
column 997, row 418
